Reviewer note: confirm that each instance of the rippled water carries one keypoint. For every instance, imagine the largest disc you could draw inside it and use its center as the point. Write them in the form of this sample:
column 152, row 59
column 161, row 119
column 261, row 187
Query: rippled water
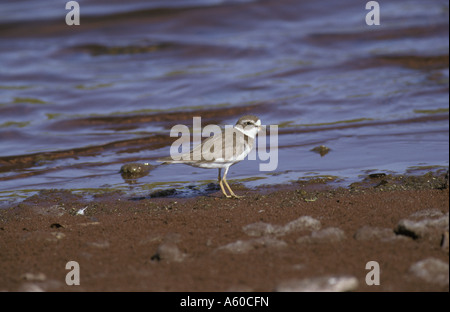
column 78, row 102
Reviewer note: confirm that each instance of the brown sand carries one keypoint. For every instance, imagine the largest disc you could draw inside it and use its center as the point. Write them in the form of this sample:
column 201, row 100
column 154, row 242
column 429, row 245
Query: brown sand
column 209, row 243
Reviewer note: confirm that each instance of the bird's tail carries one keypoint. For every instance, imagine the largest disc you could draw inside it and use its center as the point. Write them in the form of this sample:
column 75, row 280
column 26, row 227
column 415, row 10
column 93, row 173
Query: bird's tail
column 165, row 160
column 169, row 160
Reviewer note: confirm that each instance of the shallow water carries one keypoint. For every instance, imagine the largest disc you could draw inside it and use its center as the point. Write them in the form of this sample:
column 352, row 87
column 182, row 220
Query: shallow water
column 78, row 102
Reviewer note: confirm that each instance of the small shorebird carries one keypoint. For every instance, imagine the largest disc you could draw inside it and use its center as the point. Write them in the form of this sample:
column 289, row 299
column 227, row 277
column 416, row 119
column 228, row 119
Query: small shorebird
column 231, row 149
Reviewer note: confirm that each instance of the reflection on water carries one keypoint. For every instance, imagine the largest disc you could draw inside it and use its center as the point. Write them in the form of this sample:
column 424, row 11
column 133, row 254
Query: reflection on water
column 78, row 102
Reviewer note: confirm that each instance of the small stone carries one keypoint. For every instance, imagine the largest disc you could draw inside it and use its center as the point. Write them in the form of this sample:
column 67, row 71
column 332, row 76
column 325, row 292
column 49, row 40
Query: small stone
column 238, row 246
column 322, row 150
column 319, row 284
column 376, row 233
column 135, row 170
column 430, row 213
column 259, row 229
column 35, row 277
column 299, row 266
column 431, row 270
column 55, row 236
column 30, row 287
column 99, row 244
column 269, row 242
column 331, row 234
column 305, row 223
column 429, row 227
column 170, row 252
column 241, row 246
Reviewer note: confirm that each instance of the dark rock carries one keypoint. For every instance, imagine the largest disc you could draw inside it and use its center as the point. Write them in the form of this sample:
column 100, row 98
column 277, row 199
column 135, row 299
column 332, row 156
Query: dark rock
column 322, row 150
column 135, row 170
column 56, row 226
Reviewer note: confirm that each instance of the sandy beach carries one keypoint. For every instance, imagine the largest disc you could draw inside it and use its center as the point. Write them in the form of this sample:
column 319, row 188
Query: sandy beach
column 298, row 237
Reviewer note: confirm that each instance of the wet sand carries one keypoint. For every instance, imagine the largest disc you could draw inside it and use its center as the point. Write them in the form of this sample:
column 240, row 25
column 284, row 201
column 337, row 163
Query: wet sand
column 286, row 238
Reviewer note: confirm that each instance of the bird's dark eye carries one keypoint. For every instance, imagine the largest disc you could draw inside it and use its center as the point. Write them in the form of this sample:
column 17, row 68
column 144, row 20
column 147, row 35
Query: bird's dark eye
column 248, row 123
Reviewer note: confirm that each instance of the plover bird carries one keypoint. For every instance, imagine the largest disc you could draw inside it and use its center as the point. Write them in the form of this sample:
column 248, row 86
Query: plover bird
column 222, row 150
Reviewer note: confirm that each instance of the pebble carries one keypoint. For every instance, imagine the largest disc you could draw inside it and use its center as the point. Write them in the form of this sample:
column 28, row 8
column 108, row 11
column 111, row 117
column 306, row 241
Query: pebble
column 430, row 213
column 431, row 270
column 260, row 229
column 376, row 233
column 424, row 224
column 39, row 277
column 135, row 170
column 319, row 284
column 169, row 251
column 304, row 223
column 331, row 234
column 99, row 244
column 39, row 283
column 241, row 246
column 30, row 287
column 321, row 149
column 56, row 236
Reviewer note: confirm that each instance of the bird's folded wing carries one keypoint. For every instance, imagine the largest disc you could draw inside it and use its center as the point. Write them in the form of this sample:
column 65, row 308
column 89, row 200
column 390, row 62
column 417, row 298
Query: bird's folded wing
column 214, row 149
